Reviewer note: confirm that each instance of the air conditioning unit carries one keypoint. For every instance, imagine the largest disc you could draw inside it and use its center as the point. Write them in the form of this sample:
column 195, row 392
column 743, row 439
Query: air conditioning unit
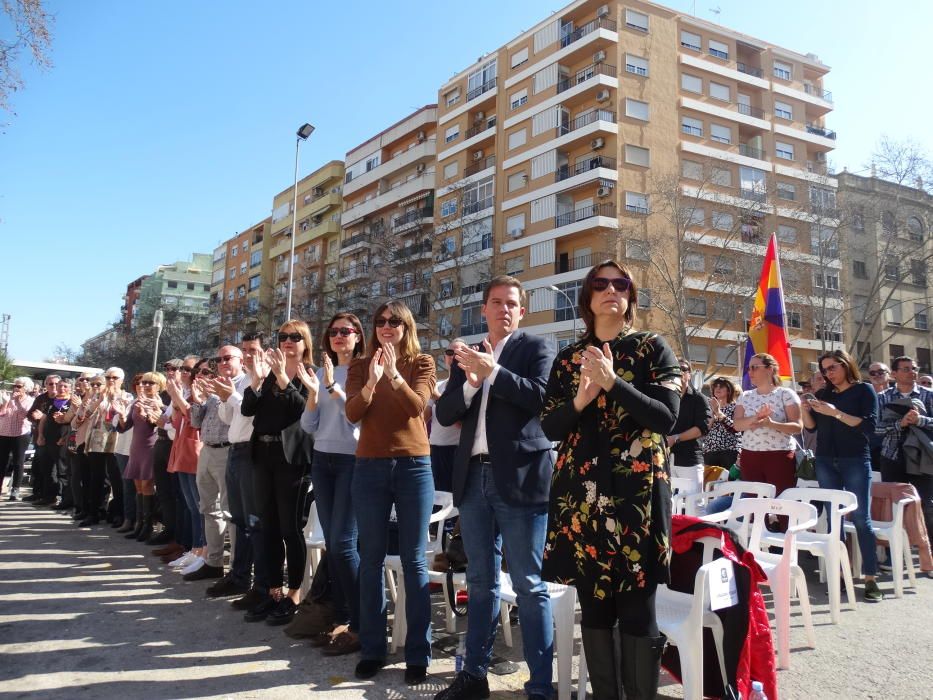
column 602, row 96
column 603, row 191
column 317, row 191
column 478, row 155
column 478, row 117
column 420, row 168
column 603, row 11
column 421, row 136
column 597, row 143
column 599, row 57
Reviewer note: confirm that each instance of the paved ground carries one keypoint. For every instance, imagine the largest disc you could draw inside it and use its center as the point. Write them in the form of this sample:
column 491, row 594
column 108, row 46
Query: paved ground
column 87, row 614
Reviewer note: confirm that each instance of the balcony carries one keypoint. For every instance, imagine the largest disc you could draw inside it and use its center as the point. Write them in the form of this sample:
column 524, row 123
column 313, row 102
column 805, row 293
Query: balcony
column 585, row 74
column 755, row 195
column 579, row 262
column 354, row 271
column 477, row 91
column 588, row 212
column 750, row 111
column 820, row 131
column 387, row 197
column 480, row 205
column 415, row 250
column 735, row 70
column 424, row 151
column 479, row 166
column 751, row 152
column 587, row 119
column 588, row 163
column 411, row 217
column 817, row 91
column 357, row 238
column 474, row 328
column 477, row 246
column 486, row 125
column 588, row 28
column 749, row 70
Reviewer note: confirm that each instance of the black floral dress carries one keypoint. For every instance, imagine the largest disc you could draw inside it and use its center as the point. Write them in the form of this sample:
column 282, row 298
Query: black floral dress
column 610, row 507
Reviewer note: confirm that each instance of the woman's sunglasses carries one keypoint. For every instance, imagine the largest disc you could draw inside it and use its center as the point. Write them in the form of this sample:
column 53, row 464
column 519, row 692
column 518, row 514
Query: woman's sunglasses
column 334, row 332
column 449, row 352
column 393, row 322
column 620, row 284
column 294, row 337
column 146, row 382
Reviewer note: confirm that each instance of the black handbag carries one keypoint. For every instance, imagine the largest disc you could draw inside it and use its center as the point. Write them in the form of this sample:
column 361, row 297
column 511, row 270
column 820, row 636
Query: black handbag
column 456, row 564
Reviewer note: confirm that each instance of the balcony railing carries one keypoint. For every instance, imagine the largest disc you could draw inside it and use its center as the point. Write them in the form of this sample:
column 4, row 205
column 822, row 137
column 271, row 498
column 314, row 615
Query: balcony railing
column 588, row 28
column 751, row 152
column 477, row 246
column 355, row 270
column 579, row 262
column 479, row 90
column 412, row 251
column 828, row 210
column 753, row 194
column 750, row 111
column 587, row 119
column 582, row 76
column 474, row 328
column 584, row 213
column 585, row 165
column 480, row 128
column 473, row 207
column 748, row 70
column 821, row 131
column 479, row 166
column 411, row 217
column 357, row 238
column 817, row 91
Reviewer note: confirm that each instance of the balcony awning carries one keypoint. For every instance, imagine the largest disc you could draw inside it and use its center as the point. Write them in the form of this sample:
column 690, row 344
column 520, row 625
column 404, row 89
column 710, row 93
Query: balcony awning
column 415, row 198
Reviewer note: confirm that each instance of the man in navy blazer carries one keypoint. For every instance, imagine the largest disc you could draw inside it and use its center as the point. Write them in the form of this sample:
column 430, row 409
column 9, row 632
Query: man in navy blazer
column 501, row 482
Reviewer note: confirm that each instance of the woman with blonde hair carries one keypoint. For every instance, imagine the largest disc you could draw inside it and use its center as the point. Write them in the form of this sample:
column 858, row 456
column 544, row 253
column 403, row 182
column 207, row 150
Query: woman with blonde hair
column 15, row 430
column 387, row 392
column 281, row 454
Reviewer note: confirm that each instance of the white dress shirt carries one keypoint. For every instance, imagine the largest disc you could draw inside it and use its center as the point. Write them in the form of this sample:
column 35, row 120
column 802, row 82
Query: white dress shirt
column 480, row 444
column 241, row 427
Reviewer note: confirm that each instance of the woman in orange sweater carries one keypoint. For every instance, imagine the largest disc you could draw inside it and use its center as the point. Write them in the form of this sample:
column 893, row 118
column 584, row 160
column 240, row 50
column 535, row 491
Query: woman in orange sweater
column 387, row 392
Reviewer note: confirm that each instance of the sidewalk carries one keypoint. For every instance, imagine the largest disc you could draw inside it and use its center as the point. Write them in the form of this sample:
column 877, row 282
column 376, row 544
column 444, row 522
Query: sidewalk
column 88, row 614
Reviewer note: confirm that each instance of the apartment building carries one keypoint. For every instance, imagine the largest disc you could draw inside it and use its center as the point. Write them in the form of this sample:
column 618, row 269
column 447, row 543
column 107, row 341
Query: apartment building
column 241, row 295
column 629, row 130
column 181, row 290
column 887, row 250
column 317, row 246
column 130, row 309
column 388, row 218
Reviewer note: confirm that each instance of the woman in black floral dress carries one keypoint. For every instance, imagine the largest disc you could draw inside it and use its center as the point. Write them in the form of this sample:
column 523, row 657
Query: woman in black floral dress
column 610, row 400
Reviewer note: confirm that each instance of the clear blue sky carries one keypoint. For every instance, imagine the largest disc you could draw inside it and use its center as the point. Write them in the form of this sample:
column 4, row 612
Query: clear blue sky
column 165, row 127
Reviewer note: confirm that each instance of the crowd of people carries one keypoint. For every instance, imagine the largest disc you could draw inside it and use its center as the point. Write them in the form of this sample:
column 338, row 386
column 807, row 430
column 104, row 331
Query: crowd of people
column 559, row 464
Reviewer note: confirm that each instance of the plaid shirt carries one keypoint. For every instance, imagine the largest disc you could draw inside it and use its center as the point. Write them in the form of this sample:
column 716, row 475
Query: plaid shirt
column 891, row 432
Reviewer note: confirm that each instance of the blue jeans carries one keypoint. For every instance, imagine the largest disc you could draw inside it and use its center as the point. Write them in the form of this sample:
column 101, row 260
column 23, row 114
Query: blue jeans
column 487, row 523
column 853, row 474
column 189, row 489
column 377, row 484
column 332, row 475
column 245, row 516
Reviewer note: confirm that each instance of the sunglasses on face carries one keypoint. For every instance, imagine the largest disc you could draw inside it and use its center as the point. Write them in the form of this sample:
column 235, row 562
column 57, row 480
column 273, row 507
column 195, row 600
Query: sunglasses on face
column 226, row 358
column 17, row 386
column 449, row 352
column 834, row 366
column 334, row 332
column 206, row 372
column 877, row 372
column 620, row 284
column 111, row 379
column 294, row 337
column 146, row 382
column 83, row 379
column 393, row 322
column 96, row 384
column 186, row 370
column 169, row 368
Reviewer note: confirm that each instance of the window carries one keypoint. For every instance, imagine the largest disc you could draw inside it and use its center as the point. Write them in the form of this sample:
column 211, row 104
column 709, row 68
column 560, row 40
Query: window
column 724, row 266
column 829, row 331
column 518, row 99
column 636, row 20
column 724, row 310
column 786, row 190
column 720, row 92
column 720, row 133
column 915, row 229
column 694, row 216
column 859, row 269
column 691, row 83
column 519, row 57
column 891, row 270
column 452, row 133
column 694, row 262
column 784, row 150
column 858, row 220
column 174, row 301
column 563, row 311
column 636, row 109
column 174, row 285
column 721, row 176
column 450, row 170
column 895, row 313
column 452, row 97
column 918, row 273
column 784, row 110
column 636, row 65
column 373, row 162
column 691, row 170
column 232, row 272
column 636, row 155
column 515, row 225
column 234, row 251
column 696, row 306
column 718, row 49
column 689, row 40
column 794, row 320
column 254, row 282
column 698, row 353
column 517, row 181
column 723, row 221
column 517, row 138
column 782, row 70
column 827, row 280
column 644, row 298
column 920, row 317
column 823, row 241
column 449, row 208
column 245, row 246
column 243, row 267
column 727, row 355
column 636, row 202
column 255, row 258
column 923, row 359
column 896, row 351
column 691, row 126
column 888, row 222
column 636, row 249
column 515, row 266
column 823, row 200
column 787, row 234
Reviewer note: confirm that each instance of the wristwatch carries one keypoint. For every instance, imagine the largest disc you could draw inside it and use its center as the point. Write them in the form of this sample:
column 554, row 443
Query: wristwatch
column 330, row 388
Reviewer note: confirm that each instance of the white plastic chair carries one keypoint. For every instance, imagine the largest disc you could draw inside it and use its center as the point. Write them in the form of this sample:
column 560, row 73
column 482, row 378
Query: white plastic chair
column 748, row 520
column 828, row 546
column 395, row 579
column 736, row 489
column 682, row 489
column 563, row 607
column 314, row 541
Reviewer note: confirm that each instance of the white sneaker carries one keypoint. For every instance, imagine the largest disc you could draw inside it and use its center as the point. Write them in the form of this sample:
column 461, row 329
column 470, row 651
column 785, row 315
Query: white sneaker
column 183, row 560
column 196, row 564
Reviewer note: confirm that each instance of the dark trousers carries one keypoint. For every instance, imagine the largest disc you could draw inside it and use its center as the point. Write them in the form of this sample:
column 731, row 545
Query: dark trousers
column 97, row 473
column 79, row 477
column 249, row 552
column 43, row 461
column 633, row 610
column 184, row 535
column 62, row 476
column 12, row 455
column 115, row 509
column 281, row 491
column 165, row 486
column 895, row 471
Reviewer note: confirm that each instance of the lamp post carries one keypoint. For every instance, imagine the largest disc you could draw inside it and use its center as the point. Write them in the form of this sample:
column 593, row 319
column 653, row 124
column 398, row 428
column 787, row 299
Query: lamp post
column 555, row 288
column 302, row 135
column 158, row 320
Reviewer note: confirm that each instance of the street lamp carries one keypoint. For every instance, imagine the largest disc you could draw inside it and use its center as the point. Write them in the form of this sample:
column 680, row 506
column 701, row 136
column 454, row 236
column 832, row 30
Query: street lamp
column 158, row 320
column 555, row 288
column 302, row 135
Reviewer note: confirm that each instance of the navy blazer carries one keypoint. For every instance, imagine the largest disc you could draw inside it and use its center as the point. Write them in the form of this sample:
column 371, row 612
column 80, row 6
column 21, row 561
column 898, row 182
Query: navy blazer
column 520, row 452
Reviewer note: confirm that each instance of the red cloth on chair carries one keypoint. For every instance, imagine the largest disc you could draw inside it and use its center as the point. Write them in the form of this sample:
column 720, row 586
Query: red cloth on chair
column 883, row 497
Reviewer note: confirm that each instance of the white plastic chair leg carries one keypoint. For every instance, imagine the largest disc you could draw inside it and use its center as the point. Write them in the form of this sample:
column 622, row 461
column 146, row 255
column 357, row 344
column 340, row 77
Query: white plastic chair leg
column 803, row 597
column 504, row 622
column 562, row 607
column 691, row 671
column 896, row 544
column 847, row 574
column 582, row 675
column 399, row 628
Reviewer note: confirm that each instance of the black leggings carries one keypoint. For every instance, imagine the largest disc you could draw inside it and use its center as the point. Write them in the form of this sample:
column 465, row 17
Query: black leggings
column 97, row 464
column 280, row 492
column 634, row 611
column 13, row 453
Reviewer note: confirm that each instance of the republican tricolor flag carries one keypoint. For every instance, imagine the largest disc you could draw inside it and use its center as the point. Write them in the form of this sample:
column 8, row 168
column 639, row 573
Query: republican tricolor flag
column 767, row 330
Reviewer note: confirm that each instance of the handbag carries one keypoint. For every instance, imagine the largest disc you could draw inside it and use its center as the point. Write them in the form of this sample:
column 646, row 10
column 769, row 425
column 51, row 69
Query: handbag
column 456, row 564
column 804, row 459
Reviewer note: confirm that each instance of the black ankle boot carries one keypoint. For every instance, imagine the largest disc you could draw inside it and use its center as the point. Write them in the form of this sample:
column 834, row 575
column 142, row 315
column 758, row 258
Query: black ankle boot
column 145, row 517
column 138, row 527
column 600, row 649
column 641, row 665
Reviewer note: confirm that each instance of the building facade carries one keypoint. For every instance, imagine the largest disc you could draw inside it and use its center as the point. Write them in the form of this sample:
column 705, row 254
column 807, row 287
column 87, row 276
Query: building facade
column 130, row 309
column 180, row 289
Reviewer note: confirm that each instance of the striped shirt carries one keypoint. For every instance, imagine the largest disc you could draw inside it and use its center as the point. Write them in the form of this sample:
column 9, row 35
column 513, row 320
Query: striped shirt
column 890, row 430
column 14, row 420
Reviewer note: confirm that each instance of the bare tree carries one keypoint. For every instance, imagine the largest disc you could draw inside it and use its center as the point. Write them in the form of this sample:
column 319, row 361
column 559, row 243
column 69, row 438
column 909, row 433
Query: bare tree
column 30, row 29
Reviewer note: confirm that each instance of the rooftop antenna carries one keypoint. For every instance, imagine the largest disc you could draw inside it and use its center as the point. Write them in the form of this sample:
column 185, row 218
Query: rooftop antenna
column 716, row 11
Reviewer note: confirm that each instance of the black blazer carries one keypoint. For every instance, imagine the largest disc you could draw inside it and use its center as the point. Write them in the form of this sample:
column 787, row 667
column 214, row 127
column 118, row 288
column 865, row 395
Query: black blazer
column 520, row 452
